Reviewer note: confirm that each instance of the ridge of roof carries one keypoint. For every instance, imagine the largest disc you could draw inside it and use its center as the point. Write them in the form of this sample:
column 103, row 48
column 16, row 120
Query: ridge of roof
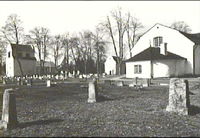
column 155, row 25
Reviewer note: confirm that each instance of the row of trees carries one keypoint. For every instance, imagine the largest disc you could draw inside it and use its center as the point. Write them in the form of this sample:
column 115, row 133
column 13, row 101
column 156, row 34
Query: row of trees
column 87, row 47
column 81, row 51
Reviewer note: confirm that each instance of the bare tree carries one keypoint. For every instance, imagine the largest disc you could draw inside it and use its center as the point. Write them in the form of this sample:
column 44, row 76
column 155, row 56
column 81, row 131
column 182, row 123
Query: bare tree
column 133, row 25
column 181, row 26
column 45, row 43
column 13, row 33
column 120, row 27
column 39, row 37
column 65, row 42
column 99, row 48
column 86, row 47
column 57, row 47
column 75, row 53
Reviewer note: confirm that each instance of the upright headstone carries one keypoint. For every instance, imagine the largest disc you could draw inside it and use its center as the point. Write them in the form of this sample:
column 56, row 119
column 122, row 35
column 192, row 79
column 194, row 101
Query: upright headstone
column 18, row 81
column 9, row 113
column 92, row 91
column 3, row 80
column 179, row 101
column 119, row 83
column 48, row 83
column 146, row 82
column 29, row 81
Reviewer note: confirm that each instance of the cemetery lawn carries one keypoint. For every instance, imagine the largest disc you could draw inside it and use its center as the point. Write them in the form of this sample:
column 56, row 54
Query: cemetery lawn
column 121, row 111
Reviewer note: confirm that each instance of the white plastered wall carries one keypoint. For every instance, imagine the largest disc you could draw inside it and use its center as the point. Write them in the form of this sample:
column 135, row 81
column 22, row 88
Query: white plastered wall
column 146, row 68
column 176, row 43
column 9, row 62
column 110, row 65
column 167, row 68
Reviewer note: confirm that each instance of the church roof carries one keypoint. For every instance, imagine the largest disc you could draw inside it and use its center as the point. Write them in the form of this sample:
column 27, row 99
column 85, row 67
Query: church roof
column 23, row 48
column 193, row 37
column 153, row 53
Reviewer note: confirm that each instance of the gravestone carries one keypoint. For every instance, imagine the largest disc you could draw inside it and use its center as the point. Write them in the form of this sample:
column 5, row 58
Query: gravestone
column 80, row 76
column 146, row 82
column 92, row 91
column 19, row 81
column 78, row 72
column 29, row 82
column 9, row 113
column 179, row 101
column 48, row 83
column 119, row 83
column 3, row 80
column 74, row 73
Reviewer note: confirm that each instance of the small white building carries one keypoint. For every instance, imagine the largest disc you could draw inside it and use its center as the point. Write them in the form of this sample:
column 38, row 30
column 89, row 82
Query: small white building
column 112, row 66
column 20, row 55
column 164, row 52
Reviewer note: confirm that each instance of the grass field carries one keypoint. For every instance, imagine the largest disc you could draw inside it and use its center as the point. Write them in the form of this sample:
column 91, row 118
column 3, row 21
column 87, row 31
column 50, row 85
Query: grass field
column 120, row 111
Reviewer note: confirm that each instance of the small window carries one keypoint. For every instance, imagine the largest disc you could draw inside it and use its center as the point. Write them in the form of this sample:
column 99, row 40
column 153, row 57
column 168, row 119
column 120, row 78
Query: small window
column 8, row 54
column 157, row 41
column 137, row 69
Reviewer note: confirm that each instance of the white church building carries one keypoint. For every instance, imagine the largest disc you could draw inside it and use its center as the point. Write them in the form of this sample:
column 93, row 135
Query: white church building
column 20, row 55
column 164, row 52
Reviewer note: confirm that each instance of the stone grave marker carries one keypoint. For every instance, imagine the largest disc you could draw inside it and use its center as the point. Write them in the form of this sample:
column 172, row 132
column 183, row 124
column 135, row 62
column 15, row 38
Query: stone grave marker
column 48, row 83
column 9, row 113
column 29, row 81
column 179, row 101
column 19, row 81
column 119, row 83
column 4, row 80
column 92, row 91
column 146, row 82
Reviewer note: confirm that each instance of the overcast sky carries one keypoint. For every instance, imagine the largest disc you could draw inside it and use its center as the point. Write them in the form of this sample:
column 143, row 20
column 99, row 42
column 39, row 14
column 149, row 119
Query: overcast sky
column 75, row 16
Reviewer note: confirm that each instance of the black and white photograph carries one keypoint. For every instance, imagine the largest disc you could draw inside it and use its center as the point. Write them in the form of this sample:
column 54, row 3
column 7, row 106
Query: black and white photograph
column 99, row 68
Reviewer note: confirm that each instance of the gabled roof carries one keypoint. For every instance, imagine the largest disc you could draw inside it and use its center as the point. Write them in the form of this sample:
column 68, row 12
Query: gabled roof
column 193, row 37
column 24, row 48
column 153, row 53
column 17, row 48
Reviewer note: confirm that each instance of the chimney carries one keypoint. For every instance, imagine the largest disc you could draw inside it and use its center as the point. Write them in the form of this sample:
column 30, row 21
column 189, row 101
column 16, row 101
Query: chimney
column 163, row 49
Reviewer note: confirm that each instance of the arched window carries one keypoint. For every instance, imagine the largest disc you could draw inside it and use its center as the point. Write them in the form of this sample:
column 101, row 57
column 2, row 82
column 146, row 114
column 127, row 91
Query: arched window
column 157, row 41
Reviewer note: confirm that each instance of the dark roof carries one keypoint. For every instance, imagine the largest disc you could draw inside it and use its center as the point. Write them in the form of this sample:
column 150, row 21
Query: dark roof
column 28, row 58
column 25, row 48
column 193, row 37
column 153, row 53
